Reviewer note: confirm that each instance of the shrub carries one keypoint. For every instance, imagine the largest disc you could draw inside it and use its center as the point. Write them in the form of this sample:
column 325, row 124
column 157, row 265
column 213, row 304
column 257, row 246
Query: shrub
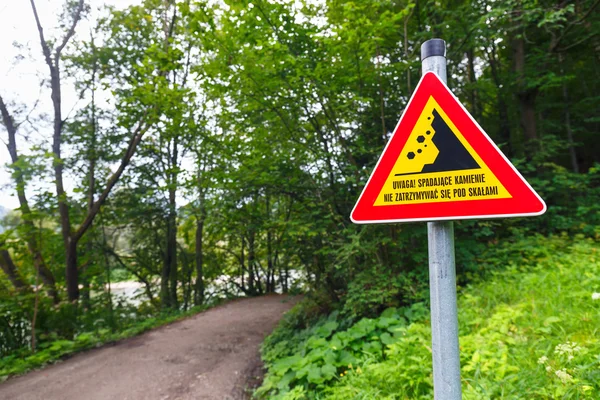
column 528, row 331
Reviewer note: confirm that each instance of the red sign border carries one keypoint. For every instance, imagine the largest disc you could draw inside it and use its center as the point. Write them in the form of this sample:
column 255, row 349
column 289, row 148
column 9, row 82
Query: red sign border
column 524, row 202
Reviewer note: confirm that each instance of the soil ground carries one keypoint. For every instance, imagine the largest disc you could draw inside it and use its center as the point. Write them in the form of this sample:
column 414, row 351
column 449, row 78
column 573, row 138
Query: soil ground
column 212, row 355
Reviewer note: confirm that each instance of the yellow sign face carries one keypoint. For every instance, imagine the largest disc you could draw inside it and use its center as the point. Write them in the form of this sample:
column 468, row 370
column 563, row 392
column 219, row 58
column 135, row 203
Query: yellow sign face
column 438, row 165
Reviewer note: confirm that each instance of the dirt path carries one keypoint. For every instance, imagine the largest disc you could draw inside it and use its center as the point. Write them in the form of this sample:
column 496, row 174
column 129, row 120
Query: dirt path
column 209, row 356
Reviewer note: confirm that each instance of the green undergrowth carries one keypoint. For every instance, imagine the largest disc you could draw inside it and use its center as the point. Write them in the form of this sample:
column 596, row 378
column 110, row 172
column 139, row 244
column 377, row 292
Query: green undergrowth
column 51, row 351
column 531, row 330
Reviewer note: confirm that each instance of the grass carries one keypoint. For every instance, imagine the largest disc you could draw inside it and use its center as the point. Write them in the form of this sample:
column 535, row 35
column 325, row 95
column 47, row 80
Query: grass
column 531, row 330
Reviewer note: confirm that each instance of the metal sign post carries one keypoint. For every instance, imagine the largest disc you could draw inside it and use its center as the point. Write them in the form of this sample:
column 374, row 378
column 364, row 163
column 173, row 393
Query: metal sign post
column 442, row 272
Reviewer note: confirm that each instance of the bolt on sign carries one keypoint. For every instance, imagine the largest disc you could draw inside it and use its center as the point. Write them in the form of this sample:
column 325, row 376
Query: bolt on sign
column 440, row 165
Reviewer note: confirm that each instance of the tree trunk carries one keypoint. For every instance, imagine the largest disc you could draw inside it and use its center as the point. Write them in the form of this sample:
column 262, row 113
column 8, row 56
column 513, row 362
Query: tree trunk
column 55, row 94
column 526, row 96
column 186, row 281
column 172, row 231
column 270, row 267
column 165, row 297
column 199, row 289
column 570, row 141
column 91, row 191
column 504, row 131
column 528, row 120
column 251, row 277
column 172, row 252
column 166, row 291
column 71, row 271
column 406, row 54
column 281, row 277
column 572, row 151
column 284, row 274
column 473, row 97
column 286, row 288
column 243, row 262
column 8, row 267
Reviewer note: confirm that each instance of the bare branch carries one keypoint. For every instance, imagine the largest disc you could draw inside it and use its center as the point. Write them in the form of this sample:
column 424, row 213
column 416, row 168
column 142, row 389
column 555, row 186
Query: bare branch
column 71, row 31
column 9, row 268
column 45, row 48
column 577, row 43
column 37, row 102
column 7, row 119
column 554, row 45
column 93, row 211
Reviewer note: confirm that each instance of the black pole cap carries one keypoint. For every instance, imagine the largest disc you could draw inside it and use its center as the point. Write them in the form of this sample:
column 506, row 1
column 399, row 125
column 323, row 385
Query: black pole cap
column 433, row 47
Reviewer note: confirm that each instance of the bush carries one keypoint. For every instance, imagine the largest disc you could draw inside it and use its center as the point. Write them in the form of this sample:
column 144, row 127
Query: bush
column 315, row 357
column 371, row 292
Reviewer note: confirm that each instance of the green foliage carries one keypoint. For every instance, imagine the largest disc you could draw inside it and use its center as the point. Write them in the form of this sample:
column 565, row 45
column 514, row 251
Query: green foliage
column 14, row 325
column 517, row 329
column 120, row 275
column 374, row 290
column 295, row 327
column 406, row 374
column 317, row 356
column 528, row 331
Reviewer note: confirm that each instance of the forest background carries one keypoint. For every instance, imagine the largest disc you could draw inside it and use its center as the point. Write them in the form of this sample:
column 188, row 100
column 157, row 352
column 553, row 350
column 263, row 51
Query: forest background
column 217, row 148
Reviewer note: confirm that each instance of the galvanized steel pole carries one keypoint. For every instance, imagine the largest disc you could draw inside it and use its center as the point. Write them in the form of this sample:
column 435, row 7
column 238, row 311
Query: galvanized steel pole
column 442, row 272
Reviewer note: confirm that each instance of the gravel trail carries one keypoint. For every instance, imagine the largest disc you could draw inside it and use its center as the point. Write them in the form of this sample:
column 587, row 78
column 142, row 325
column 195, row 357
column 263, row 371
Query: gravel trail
column 212, row 355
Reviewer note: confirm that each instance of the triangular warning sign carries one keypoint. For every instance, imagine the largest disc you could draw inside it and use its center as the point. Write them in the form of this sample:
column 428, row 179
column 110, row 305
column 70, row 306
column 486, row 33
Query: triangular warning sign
column 441, row 165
